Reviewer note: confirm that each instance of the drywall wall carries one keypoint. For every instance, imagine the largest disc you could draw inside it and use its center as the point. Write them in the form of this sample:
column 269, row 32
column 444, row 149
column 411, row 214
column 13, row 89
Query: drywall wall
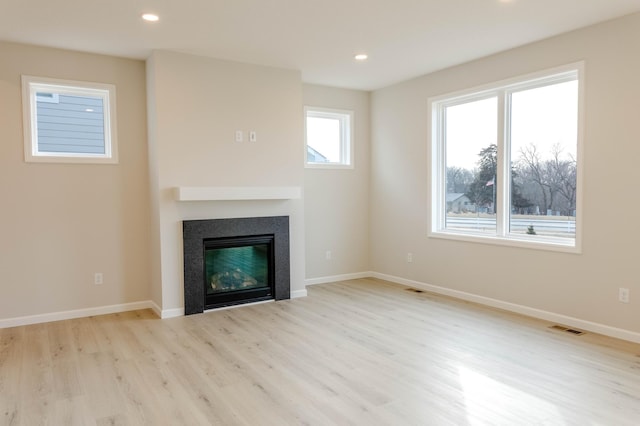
column 336, row 202
column 61, row 223
column 196, row 106
column 583, row 286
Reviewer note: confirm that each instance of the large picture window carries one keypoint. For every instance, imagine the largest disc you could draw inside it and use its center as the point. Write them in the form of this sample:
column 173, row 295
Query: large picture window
column 506, row 162
column 69, row 121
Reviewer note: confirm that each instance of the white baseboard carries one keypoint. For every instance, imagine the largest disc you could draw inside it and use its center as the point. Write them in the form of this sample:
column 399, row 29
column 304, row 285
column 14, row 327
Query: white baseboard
column 487, row 301
column 172, row 313
column 519, row 309
column 78, row 313
column 298, row 293
column 334, row 278
column 166, row 313
column 179, row 312
column 155, row 308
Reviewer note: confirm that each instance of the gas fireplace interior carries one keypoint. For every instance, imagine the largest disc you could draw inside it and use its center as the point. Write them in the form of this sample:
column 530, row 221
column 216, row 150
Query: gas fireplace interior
column 237, row 269
column 234, row 261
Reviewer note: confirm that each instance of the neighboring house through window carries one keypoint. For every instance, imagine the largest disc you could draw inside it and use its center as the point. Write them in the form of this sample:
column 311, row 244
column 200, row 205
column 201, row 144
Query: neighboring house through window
column 512, row 151
column 69, row 121
column 329, row 138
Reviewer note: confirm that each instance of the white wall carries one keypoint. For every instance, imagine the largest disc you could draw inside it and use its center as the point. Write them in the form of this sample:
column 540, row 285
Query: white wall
column 336, row 201
column 61, row 223
column 196, row 105
column 583, row 286
column 369, row 217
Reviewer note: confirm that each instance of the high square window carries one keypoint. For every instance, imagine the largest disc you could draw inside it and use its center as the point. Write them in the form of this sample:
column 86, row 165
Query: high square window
column 329, row 138
column 68, row 121
column 506, row 162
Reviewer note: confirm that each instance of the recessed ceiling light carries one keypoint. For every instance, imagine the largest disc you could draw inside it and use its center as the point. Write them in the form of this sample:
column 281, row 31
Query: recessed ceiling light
column 361, row 57
column 150, row 17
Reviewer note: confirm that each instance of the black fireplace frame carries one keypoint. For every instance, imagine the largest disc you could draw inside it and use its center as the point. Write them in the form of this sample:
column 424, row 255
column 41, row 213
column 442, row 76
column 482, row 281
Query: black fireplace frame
column 195, row 232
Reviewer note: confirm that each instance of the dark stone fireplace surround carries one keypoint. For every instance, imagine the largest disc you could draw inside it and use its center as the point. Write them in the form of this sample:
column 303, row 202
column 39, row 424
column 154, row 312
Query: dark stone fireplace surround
column 194, row 232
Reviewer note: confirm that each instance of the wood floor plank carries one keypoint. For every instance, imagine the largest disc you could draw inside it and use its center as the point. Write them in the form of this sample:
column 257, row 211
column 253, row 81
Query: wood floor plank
column 351, row 353
column 11, row 348
column 72, row 411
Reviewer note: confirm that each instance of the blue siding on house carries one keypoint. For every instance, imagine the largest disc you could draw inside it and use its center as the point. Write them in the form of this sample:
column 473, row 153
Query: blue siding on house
column 67, row 127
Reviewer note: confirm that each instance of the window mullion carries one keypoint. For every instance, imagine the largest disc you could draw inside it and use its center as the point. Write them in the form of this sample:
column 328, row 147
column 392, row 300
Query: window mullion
column 507, row 162
column 502, row 175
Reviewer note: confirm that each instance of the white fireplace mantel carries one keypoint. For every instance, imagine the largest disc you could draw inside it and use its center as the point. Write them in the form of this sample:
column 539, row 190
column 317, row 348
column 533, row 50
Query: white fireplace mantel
column 230, row 193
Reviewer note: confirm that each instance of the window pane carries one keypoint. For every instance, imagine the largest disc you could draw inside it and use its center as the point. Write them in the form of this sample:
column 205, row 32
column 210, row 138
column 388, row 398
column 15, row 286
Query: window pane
column 543, row 160
column 323, row 140
column 70, row 124
column 470, row 141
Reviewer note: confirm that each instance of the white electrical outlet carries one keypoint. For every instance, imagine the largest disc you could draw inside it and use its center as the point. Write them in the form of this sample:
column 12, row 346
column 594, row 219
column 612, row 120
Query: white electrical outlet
column 409, row 257
column 98, row 278
column 238, row 135
column 327, row 255
column 623, row 295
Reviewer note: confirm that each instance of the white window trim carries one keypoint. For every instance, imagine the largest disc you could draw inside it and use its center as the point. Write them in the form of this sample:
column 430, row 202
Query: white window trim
column 347, row 137
column 32, row 85
column 437, row 216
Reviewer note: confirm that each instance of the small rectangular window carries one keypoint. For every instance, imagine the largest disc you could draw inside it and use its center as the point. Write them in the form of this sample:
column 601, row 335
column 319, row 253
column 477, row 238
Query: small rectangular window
column 68, row 121
column 329, row 138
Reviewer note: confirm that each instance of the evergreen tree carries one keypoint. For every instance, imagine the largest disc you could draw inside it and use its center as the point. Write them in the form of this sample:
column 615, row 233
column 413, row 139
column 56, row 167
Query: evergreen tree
column 482, row 189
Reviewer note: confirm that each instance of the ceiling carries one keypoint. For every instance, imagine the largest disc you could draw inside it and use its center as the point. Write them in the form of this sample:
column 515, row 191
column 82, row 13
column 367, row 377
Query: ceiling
column 403, row 38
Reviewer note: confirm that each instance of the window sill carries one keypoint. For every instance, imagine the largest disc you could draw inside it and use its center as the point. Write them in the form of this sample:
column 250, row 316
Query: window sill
column 547, row 244
column 70, row 159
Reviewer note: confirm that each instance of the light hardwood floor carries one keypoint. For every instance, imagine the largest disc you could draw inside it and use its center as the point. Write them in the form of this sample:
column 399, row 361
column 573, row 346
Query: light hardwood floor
column 360, row 352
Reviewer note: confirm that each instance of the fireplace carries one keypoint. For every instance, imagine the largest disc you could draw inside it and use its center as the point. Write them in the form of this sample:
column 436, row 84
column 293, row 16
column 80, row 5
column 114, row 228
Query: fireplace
column 234, row 261
column 238, row 269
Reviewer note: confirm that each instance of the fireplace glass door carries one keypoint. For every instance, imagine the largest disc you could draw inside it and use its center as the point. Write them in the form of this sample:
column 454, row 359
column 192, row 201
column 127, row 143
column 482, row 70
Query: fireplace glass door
column 238, row 270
